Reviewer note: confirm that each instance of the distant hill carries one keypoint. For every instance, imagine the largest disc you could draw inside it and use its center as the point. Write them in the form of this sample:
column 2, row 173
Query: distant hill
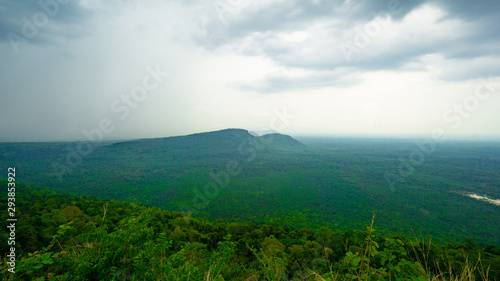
column 156, row 161
column 339, row 183
column 228, row 141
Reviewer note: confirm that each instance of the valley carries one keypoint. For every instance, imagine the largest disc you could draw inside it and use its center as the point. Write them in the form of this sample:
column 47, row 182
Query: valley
column 231, row 174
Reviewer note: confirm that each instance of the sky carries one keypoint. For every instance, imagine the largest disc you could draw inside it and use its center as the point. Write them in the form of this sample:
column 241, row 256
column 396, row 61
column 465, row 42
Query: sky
column 95, row 69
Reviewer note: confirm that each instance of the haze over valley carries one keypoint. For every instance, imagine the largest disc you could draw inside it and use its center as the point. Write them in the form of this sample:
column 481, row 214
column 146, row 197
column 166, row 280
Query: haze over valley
column 250, row 140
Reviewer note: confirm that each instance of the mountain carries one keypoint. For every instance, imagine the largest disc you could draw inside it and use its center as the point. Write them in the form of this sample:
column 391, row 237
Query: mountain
column 232, row 174
column 284, row 142
column 155, row 164
column 228, row 141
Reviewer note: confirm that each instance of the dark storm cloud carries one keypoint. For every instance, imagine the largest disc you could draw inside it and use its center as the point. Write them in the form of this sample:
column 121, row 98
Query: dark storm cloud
column 41, row 21
column 92, row 52
column 231, row 24
column 255, row 31
column 470, row 10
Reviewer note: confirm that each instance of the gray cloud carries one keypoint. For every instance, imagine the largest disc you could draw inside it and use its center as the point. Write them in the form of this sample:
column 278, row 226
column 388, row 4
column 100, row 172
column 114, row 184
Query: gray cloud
column 470, row 10
column 284, row 83
column 229, row 64
column 227, row 26
column 255, row 30
column 42, row 22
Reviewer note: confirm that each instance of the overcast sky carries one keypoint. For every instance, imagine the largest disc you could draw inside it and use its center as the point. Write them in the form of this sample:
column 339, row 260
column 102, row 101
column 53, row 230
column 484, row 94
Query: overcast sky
column 156, row 68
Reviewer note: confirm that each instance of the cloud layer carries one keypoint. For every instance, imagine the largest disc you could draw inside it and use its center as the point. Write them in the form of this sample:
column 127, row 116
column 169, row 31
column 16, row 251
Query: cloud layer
column 344, row 67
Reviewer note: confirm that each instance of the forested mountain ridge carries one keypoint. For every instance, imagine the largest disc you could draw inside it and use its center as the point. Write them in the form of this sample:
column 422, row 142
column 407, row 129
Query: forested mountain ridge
column 337, row 183
column 62, row 237
column 219, row 143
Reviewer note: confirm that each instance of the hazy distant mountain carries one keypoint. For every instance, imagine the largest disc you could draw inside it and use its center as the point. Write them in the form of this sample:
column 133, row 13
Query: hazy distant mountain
column 141, row 161
column 233, row 174
column 228, row 141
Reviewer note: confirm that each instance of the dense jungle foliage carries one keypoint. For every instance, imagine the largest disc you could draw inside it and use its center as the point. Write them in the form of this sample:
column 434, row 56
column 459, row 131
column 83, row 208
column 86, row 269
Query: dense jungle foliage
column 62, row 237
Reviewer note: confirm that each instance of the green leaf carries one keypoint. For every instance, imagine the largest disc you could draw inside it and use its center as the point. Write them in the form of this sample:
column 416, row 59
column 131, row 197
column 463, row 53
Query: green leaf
column 38, row 266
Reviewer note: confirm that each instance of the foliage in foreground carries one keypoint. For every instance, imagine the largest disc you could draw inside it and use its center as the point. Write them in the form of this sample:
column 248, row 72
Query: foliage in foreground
column 79, row 238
